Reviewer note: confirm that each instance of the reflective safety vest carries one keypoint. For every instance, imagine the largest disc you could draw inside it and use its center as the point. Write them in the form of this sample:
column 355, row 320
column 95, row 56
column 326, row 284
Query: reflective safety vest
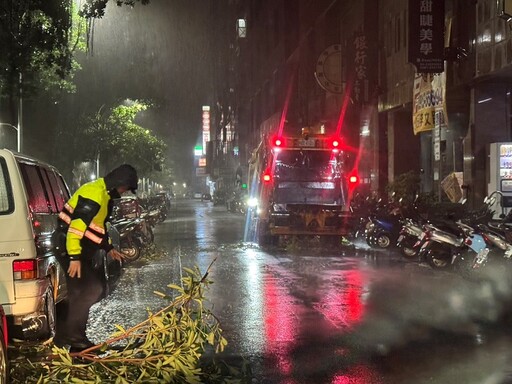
column 85, row 214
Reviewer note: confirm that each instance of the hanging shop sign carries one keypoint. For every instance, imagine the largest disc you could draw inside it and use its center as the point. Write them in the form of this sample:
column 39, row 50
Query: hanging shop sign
column 360, row 89
column 429, row 107
column 426, row 35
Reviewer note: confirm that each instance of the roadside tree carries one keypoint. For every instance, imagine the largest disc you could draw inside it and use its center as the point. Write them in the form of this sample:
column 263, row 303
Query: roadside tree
column 111, row 137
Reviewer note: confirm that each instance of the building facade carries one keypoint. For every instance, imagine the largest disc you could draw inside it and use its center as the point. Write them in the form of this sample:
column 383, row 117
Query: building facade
column 280, row 77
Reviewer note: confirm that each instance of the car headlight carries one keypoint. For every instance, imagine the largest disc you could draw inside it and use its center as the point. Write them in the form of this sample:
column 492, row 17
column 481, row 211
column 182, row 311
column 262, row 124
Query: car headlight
column 252, row 202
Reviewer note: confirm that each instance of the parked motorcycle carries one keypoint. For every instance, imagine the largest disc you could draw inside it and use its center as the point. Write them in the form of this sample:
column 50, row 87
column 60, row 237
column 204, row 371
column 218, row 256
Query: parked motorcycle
column 441, row 247
column 445, row 243
column 130, row 242
column 494, row 248
column 237, row 203
column 384, row 228
column 361, row 209
column 134, row 226
column 409, row 236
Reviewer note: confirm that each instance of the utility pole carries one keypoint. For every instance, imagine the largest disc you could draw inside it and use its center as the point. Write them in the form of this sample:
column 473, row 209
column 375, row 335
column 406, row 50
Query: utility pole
column 20, row 114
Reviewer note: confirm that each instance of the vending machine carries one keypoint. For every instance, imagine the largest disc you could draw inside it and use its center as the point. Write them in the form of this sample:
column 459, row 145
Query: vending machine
column 500, row 172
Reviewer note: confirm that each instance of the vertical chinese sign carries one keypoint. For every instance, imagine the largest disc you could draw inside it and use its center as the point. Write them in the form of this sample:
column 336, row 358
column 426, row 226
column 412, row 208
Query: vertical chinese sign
column 203, row 162
column 426, row 35
column 426, row 53
column 206, row 126
column 360, row 89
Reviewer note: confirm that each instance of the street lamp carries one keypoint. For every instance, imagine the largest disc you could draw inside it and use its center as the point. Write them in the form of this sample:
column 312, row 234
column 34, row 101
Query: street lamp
column 18, row 135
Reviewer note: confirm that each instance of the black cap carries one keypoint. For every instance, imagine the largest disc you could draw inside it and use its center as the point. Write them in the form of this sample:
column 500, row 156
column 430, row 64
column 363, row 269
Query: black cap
column 123, row 176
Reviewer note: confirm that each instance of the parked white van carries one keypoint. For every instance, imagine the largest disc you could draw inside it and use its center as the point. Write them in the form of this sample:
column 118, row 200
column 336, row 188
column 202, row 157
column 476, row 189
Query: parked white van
column 32, row 193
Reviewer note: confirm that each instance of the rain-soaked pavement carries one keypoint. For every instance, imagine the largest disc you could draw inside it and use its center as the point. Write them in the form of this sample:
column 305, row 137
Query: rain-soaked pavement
column 349, row 316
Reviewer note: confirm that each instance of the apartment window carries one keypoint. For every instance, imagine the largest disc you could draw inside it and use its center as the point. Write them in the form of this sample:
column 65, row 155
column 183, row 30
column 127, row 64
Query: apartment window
column 241, row 28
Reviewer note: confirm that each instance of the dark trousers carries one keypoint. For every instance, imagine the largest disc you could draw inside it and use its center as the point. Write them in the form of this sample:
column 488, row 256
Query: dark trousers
column 83, row 292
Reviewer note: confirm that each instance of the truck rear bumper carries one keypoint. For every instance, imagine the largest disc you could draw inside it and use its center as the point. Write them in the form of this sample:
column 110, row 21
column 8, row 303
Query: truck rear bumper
column 278, row 231
column 323, row 223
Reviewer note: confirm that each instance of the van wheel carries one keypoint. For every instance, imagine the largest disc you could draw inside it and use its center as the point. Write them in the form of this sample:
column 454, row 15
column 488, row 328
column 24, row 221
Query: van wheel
column 4, row 365
column 50, row 312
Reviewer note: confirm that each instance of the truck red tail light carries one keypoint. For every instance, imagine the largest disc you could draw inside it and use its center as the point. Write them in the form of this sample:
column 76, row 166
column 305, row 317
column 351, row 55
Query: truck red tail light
column 278, row 142
column 267, row 177
column 353, row 180
column 336, row 144
column 24, row 269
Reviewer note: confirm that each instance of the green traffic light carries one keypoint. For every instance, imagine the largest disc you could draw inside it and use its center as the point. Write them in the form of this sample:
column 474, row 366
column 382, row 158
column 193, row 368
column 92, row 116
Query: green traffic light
column 244, row 186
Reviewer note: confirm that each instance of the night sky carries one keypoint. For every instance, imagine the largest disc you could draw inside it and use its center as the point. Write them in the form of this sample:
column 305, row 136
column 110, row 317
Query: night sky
column 160, row 52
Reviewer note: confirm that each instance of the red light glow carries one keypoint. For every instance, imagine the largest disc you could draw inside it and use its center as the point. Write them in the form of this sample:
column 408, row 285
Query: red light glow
column 267, row 177
column 356, row 375
column 24, row 265
column 24, row 269
column 344, row 306
column 280, row 324
column 353, row 179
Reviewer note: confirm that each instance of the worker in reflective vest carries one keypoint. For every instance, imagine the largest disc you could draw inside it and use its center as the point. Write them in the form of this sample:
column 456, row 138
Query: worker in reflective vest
column 84, row 220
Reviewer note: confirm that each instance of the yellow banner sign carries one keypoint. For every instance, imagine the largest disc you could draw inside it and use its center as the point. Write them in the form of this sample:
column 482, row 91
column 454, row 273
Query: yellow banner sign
column 428, row 96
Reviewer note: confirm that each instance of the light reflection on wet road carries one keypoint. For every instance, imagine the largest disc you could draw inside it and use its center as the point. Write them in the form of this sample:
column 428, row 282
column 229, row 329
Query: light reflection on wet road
column 343, row 317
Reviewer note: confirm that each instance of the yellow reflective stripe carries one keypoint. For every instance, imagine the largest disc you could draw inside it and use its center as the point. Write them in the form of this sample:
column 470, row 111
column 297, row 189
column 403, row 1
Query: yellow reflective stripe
column 97, row 228
column 76, row 232
column 91, row 236
column 69, row 208
column 64, row 217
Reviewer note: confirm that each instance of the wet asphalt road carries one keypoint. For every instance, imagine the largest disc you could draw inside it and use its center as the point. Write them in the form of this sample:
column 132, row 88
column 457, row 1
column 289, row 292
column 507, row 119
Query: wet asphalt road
column 311, row 315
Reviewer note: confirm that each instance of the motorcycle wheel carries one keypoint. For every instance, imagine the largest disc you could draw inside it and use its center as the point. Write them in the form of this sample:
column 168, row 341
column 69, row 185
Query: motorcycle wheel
column 370, row 239
column 383, row 240
column 437, row 259
column 131, row 251
column 465, row 265
column 407, row 248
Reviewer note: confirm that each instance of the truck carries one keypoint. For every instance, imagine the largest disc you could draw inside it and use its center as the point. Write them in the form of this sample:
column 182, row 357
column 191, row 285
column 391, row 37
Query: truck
column 300, row 185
